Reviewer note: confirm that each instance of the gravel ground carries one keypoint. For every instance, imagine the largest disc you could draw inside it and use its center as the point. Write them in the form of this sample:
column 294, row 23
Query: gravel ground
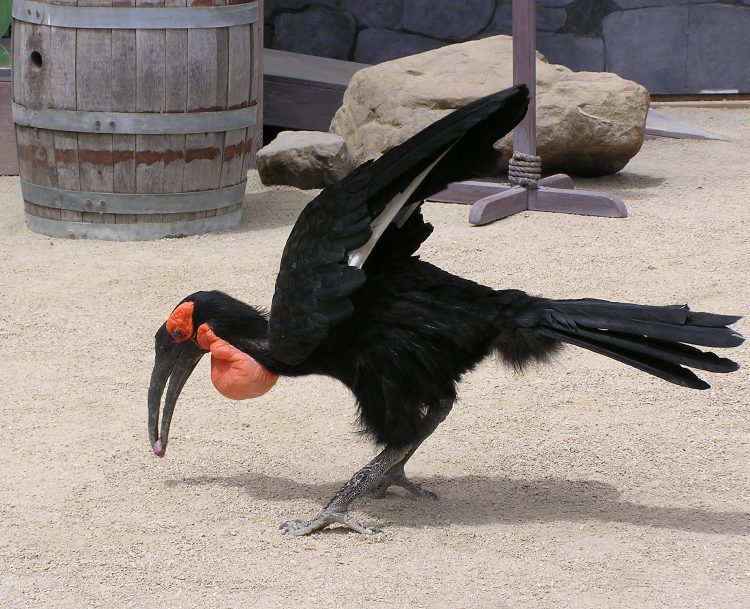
column 579, row 484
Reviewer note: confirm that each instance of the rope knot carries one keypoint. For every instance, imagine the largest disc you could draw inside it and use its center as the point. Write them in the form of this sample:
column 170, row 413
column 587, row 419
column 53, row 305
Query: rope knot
column 524, row 169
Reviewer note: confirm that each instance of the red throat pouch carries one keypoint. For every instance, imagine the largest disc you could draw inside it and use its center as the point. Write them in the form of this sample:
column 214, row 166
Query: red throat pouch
column 234, row 373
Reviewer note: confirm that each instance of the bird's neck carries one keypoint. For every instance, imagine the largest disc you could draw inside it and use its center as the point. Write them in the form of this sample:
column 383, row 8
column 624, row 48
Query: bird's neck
column 247, row 330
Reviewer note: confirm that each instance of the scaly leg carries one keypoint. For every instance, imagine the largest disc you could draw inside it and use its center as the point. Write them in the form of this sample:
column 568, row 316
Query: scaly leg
column 373, row 480
column 396, row 476
column 336, row 510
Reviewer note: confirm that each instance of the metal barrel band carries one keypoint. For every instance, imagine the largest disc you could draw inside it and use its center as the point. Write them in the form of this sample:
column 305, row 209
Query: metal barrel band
column 135, row 123
column 132, row 203
column 132, row 232
column 134, row 18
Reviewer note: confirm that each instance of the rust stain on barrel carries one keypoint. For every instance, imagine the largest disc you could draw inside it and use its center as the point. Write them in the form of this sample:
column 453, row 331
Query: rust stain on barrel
column 234, row 150
column 149, row 157
column 32, row 153
column 122, row 156
column 202, row 154
column 66, row 155
column 96, row 157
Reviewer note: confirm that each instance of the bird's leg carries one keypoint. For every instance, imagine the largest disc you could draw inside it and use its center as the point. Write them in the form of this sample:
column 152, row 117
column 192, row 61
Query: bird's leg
column 336, row 510
column 395, row 476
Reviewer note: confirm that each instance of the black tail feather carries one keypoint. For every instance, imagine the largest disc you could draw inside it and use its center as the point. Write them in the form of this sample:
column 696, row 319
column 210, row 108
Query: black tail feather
column 672, row 323
column 646, row 337
column 657, row 367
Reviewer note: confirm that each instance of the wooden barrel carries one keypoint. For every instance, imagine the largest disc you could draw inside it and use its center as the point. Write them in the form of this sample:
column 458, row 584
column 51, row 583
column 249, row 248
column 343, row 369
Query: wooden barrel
column 136, row 119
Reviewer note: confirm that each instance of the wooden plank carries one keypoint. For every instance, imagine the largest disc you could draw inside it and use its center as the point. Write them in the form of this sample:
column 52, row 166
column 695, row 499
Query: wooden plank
column 48, row 213
column 302, row 91
column 124, row 87
column 203, row 150
column 238, row 96
column 94, row 92
column 254, row 140
column 151, row 97
column 36, row 147
column 175, row 79
column 62, row 61
column 19, row 34
column 300, row 106
column 307, row 69
column 468, row 192
column 8, row 154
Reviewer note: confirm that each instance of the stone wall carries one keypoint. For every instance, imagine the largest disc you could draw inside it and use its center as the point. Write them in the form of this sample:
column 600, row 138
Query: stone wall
column 669, row 46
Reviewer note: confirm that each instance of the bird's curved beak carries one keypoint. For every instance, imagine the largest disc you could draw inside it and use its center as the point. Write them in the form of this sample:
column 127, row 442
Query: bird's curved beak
column 174, row 362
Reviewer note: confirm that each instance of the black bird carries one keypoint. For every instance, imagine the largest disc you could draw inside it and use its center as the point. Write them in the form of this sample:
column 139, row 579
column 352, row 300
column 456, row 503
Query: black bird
column 354, row 302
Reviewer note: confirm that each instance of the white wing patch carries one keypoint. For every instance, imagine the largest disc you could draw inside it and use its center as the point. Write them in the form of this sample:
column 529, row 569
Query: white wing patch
column 394, row 210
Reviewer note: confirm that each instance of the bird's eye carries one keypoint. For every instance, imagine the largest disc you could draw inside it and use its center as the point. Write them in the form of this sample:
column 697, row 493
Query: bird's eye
column 177, row 333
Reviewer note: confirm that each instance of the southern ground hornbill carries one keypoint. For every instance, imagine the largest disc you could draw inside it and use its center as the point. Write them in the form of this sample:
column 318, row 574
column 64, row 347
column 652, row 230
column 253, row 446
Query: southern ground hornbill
column 353, row 302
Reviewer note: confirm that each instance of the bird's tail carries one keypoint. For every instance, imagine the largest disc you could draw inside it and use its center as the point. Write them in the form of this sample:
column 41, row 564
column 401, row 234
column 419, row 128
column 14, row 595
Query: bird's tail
column 655, row 339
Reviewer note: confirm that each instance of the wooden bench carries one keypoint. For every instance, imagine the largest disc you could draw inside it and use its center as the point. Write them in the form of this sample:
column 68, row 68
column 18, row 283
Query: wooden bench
column 303, row 91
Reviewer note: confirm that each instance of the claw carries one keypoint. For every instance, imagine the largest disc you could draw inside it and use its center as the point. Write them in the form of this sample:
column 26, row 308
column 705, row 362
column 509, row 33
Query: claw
column 322, row 520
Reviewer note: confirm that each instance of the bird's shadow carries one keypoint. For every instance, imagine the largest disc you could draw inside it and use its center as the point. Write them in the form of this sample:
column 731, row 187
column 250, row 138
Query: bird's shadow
column 481, row 500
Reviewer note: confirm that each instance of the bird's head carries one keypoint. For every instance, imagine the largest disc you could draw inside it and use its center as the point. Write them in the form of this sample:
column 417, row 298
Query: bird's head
column 201, row 323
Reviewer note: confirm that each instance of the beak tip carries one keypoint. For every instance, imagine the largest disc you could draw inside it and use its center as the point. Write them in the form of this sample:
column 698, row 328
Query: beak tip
column 159, row 449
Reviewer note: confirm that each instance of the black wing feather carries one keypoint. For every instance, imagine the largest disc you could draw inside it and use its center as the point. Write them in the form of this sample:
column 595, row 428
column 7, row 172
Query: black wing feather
column 315, row 283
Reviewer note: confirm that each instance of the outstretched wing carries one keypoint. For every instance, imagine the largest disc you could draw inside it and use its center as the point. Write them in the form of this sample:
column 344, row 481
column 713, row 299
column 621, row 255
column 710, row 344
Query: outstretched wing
column 321, row 266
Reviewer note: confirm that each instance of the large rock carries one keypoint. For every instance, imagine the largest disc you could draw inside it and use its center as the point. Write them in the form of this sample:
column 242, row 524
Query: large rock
column 305, row 159
column 587, row 123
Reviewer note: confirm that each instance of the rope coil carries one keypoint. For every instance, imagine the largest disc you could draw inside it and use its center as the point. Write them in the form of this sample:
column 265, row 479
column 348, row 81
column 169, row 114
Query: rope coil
column 525, row 169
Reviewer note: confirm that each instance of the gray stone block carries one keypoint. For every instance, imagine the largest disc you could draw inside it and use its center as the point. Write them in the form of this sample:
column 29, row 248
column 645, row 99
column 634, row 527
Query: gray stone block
column 649, row 46
column 631, row 4
column 550, row 19
column 576, row 52
column 375, row 45
column 502, row 19
column 585, row 17
column 315, row 31
column 447, row 19
column 377, row 13
column 718, row 55
column 271, row 8
column 555, row 3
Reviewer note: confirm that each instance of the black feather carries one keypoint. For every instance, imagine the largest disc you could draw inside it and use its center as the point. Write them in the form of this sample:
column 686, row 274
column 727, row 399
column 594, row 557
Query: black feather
column 338, row 220
column 655, row 366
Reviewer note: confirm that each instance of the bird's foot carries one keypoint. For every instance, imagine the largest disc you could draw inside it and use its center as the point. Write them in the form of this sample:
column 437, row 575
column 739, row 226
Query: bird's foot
column 397, row 477
column 325, row 518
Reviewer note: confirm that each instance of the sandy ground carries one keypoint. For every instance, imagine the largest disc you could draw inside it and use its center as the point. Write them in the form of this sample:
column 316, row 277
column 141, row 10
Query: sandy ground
column 581, row 484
